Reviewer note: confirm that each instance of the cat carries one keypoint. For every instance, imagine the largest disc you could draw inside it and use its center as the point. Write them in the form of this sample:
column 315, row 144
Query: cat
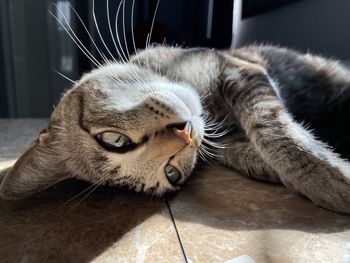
column 144, row 123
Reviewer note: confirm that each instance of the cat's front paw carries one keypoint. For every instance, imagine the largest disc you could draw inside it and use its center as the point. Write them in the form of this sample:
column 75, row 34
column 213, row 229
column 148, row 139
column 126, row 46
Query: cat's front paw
column 330, row 191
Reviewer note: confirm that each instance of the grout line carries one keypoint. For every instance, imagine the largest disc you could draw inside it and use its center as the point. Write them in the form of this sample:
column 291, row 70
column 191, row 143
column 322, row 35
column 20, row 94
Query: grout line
column 177, row 232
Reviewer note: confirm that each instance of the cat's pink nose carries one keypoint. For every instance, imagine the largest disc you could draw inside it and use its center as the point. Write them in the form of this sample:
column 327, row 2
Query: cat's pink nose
column 184, row 132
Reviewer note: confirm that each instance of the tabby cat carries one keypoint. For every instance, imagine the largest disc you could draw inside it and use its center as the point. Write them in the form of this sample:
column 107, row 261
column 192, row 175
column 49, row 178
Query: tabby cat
column 144, row 123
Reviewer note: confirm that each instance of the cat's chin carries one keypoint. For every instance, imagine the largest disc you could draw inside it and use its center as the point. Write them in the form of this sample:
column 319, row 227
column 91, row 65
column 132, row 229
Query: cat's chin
column 163, row 192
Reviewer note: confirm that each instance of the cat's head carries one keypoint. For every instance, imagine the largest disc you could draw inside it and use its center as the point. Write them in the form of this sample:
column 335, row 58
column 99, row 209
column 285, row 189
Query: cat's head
column 119, row 125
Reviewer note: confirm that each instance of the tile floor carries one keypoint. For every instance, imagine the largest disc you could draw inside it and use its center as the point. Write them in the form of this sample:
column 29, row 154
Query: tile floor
column 220, row 217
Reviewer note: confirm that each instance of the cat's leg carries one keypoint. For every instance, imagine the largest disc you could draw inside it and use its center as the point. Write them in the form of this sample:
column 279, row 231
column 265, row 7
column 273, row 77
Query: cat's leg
column 243, row 157
column 316, row 91
column 303, row 163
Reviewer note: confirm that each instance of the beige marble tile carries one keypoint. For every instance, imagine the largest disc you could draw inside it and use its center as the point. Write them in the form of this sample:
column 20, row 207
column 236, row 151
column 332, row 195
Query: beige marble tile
column 221, row 216
column 108, row 226
column 16, row 135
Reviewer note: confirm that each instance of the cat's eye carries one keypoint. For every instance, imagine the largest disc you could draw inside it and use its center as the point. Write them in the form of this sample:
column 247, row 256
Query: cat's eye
column 114, row 141
column 172, row 174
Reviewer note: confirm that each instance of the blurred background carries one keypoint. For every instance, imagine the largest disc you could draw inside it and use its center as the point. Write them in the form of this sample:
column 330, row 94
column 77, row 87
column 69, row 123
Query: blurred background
column 34, row 44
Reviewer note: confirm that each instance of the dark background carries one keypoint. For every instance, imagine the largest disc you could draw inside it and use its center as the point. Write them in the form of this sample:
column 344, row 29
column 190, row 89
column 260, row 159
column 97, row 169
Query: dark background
column 33, row 43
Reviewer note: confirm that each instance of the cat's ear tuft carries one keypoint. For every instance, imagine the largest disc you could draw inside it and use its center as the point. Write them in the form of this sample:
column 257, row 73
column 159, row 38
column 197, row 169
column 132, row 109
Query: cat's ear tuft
column 37, row 169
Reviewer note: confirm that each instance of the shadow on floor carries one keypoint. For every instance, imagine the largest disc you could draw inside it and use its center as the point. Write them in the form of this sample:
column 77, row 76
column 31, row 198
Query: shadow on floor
column 41, row 229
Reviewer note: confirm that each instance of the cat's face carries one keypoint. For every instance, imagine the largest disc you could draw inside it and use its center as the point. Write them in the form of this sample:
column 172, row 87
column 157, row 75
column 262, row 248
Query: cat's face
column 149, row 116
column 119, row 125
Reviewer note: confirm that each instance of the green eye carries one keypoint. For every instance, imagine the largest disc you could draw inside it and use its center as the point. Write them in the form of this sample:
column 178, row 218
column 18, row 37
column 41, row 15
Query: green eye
column 172, row 174
column 114, row 141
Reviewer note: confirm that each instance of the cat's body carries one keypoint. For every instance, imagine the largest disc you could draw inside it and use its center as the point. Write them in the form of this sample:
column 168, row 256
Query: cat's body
column 154, row 103
column 315, row 90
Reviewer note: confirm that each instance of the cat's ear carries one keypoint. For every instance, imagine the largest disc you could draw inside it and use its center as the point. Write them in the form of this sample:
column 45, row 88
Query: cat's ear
column 37, row 169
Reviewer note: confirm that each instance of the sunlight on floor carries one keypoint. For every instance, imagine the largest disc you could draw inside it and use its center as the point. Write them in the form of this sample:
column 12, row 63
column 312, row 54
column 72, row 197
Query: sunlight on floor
column 6, row 163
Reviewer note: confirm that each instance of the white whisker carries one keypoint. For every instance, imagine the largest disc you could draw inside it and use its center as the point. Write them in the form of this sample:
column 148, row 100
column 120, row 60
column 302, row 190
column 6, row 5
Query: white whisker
column 132, row 30
column 149, row 35
column 76, row 39
column 215, row 144
column 63, row 76
column 146, row 48
column 110, row 29
column 86, row 30
column 90, row 192
column 124, row 58
column 124, row 33
column 98, row 30
column 154, row 17
column 82, row 192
